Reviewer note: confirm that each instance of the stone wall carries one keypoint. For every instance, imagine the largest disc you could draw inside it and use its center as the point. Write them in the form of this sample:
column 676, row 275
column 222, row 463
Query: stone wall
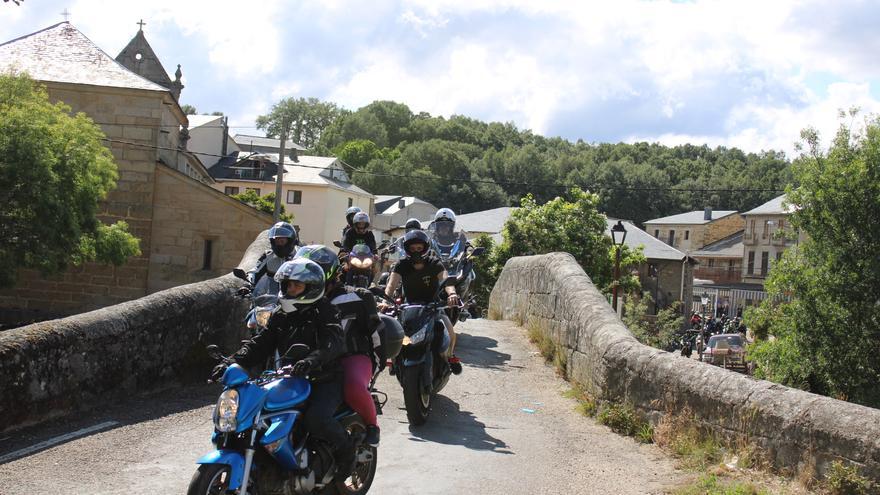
column 55, row 367
column 188, row 213
column 792, row 426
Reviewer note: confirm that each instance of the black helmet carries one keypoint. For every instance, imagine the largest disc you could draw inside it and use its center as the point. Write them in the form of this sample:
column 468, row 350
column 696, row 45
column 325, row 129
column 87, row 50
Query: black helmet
column 285, row 230
column 323, row 256
column 350, row 213
column 415, row 237
column 413, row 224
column 300, row 270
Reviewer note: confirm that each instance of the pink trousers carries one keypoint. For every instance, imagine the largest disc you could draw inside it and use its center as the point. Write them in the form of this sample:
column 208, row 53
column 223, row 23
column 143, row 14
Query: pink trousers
column 358, row 372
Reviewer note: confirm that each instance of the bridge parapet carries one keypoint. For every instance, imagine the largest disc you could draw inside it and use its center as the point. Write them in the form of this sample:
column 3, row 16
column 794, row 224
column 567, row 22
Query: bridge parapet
column 54, row 367
column 794, row 427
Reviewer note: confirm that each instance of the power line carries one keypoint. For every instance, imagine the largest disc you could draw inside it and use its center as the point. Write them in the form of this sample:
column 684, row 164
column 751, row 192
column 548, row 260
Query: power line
column 473, row 181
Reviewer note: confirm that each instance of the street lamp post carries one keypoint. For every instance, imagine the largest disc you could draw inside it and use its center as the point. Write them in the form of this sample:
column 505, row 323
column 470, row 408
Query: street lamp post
column 618, row 235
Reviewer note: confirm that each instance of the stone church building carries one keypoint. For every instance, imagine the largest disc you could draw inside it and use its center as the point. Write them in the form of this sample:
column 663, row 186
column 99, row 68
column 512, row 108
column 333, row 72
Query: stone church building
column 188, row 230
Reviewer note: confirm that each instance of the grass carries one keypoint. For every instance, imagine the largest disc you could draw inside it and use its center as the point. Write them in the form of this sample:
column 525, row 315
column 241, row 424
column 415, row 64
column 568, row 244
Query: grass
column 551, row 351
column 710, row 484
column 842, row 479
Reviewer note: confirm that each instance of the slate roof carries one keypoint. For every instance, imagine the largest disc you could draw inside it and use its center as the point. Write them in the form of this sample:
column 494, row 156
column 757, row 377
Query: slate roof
column 389, row 204
column 691, row 218
column 653, row 248
column 489, row 221
column 729, row 247
column 772, row 207
column 245, row 140
column 61, row 53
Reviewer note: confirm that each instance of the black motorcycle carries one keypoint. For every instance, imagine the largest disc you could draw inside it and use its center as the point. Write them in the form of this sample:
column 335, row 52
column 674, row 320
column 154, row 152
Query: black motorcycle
column 420, row 366
column 458, row 264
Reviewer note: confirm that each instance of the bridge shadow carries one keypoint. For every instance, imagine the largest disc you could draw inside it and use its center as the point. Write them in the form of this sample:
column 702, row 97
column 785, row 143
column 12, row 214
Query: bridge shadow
column 449, row 425
column 478, row 351
column 107, row 417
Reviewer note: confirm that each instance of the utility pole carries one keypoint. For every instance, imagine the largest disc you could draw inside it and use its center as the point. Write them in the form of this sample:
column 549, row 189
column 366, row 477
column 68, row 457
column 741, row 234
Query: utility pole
column 279, row 176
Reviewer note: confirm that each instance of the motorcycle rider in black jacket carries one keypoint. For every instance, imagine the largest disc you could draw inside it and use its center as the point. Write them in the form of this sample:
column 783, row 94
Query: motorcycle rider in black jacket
column 305, row 316
column 361, row 326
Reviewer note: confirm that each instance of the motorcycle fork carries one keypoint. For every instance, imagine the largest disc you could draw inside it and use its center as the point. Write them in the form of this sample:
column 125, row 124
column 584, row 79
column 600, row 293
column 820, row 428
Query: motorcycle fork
column 248, row 461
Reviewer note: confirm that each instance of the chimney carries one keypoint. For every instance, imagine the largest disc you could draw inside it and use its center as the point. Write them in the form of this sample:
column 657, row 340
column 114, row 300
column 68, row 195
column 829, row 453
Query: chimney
column 707, row 213
column 293, row 156
column 401, row 203
column 225, row 129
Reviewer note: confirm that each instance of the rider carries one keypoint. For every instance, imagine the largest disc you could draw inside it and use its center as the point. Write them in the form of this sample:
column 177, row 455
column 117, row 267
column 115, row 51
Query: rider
column 443, row 228
column 305, row 317
column 283, row 241
column 421, row 274
column 359, row 233
column 349, row 215
column 361, row 325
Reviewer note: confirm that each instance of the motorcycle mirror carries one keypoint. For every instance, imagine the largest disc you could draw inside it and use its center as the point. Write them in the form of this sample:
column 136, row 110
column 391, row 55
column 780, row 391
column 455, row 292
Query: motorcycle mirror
column 214, row 351
column 337, row 244
column 383, row 244
column 478, row 251
column 393, row 249
column 238, row 272
column 297, row 352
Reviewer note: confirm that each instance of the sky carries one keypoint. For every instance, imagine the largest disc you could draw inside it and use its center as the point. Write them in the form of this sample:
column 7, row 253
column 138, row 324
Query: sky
column 749, row 74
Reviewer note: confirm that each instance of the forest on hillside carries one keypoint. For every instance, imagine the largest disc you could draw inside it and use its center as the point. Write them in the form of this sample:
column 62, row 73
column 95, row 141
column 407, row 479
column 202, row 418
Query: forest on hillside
column 471, row 165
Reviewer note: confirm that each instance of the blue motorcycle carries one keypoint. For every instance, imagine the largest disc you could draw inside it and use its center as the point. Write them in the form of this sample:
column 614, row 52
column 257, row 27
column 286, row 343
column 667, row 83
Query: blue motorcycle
column 262, row 447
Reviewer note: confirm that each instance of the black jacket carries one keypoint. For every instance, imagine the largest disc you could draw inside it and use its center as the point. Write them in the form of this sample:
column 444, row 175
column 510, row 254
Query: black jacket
column 317, row 327
column 360, row 321
column 352, row 239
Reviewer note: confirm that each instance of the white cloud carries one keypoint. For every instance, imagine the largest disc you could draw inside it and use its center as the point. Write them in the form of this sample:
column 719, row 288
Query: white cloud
column 243, row 41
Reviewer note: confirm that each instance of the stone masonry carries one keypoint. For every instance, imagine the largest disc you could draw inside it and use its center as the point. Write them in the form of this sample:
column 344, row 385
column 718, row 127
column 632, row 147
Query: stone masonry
column 794, row 427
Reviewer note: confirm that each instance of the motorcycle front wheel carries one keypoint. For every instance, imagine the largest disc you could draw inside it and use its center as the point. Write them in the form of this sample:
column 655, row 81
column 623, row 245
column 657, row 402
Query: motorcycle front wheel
column 416, row 399
column 210, row 479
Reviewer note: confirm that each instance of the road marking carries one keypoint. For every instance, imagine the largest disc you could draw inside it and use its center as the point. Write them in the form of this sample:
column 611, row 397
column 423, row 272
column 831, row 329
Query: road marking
column 55, row 441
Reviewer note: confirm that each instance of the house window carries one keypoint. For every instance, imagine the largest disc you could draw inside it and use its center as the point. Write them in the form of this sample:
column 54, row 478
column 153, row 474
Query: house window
column 209, row 252
column 254, row 189
column 687, row 234
column 766, row 229
column 751, row 265
column 294, row 197
column 752, row 226
column 765, row 262
column 229, row 190
column 657, row 233
column 350, row 202
column 778, row 256
column 730, row 266
column 781, row 224
column 711, row 262
column 671, row 238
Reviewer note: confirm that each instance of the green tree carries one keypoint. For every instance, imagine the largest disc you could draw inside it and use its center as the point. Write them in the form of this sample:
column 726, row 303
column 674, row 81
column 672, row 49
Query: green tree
column 54, row 170
column 656, row 331
column 358, row 153
column 826, row 322
column 395, row 117
column 362, row 124
column 189, row 109
column 266, row 203
column 307, row 118
column 574, row 226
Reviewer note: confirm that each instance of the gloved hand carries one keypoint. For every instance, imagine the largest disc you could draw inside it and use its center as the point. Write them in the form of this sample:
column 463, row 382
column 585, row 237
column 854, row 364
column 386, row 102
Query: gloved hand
column 303, row 366
column 244, row 290
column 217, row 372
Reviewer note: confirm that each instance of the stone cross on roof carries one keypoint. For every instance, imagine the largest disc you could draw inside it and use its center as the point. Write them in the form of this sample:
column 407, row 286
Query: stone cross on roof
column 141, row 23
column 66, row 15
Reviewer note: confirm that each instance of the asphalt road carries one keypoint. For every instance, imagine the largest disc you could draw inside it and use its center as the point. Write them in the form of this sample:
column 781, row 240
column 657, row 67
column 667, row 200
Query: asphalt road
column 502, row 427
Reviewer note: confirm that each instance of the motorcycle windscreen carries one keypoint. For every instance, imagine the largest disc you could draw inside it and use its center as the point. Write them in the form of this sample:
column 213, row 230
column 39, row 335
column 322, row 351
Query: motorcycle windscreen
column 413, row 318
column 266, row 286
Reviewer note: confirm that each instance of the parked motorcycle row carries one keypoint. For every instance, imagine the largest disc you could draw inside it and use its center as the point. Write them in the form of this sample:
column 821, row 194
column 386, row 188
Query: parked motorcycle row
column 719, row 341
column 263, row 448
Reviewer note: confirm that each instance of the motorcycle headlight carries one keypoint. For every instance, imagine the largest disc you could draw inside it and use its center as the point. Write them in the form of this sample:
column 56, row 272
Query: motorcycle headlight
column 263, row 317
column 357, row 263
column 226, row 411
column 366, row 262
column 418, row 336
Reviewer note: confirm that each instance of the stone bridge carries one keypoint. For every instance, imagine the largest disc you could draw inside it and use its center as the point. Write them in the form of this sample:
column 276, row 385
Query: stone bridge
column 81, row 380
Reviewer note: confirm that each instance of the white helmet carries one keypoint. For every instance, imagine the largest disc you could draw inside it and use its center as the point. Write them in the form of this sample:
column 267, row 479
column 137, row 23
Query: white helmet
column 444, row 222
column 306, row 272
